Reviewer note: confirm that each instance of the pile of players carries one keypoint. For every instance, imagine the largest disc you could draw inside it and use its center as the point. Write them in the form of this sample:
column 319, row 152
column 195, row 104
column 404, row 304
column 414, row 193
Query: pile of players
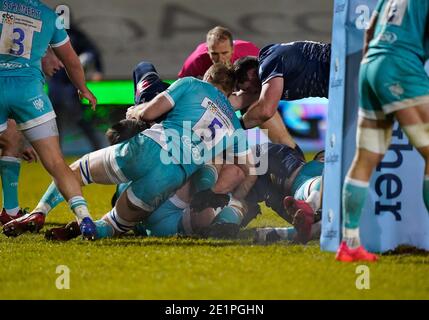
column 181, row 158
column 204, row 197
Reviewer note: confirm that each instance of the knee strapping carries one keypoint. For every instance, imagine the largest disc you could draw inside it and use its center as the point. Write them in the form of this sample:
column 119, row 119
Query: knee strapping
column 376, row 140
column 118, row 223
column 84, row 170
column 418, row 134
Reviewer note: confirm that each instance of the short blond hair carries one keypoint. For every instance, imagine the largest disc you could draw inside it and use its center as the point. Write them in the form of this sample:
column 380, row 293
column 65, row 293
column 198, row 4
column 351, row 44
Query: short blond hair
column 220, row 75
column 219, row 33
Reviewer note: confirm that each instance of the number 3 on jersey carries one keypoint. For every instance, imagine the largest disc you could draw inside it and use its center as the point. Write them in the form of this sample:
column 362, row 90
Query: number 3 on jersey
column 17, row 34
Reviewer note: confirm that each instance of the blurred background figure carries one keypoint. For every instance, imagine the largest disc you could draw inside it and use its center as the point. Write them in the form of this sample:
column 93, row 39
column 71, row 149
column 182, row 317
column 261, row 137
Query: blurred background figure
column 64, row 96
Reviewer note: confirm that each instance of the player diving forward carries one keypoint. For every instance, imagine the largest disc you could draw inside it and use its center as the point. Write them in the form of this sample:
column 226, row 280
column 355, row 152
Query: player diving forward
column 200, row 124
column 392, row 85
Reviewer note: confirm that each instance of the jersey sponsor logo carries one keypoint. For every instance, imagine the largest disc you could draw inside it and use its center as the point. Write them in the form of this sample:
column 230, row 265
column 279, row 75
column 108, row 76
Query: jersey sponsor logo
column 396, row 90
column 38, row 104
column 387, row 36
column 7, row 18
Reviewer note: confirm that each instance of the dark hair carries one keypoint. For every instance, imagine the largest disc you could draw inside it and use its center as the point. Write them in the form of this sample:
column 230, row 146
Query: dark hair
column 243, row 65
column 124, row 129
column 221, row 75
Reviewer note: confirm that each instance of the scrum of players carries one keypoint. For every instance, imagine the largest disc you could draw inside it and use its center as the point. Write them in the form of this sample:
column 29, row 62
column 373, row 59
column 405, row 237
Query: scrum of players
column 210, row 200
column 181, row 159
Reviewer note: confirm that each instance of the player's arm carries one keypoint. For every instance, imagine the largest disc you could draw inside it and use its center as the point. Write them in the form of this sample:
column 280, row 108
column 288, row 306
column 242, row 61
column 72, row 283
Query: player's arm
column 266, row 106
column 74, row 69
column 369, row 33
column 241, row 99
column 149, row 111
column 50, row 63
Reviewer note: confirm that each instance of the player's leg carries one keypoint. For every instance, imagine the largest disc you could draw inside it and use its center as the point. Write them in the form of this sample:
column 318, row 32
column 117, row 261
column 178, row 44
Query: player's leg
column 373, row 140
column 91, row 168
column 10, row 164
column 414, row 122
column 147, row 82
column 156, row 184
column 277, row 131
column 33, row 112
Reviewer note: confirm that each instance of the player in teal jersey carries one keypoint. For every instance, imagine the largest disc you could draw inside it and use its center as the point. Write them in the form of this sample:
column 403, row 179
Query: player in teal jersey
column 392, row 85
column 200, row 124
column 27, row 28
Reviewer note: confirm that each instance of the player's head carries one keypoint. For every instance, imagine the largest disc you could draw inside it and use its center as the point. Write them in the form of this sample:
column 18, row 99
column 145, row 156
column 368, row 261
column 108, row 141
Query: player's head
column 246, row 72
column 220, row 45
column 221, row 77
column 123, row 130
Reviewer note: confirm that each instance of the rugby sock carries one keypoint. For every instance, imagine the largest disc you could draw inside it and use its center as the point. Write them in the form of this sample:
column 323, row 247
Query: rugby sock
column 426, row 192
column 354, row 196
column 79, row 207
column 286, row 233
column 104, row 229
column 120, row 225
column 50, row 200
column 205, row 178
column 10, row 167
column 275, row 234
column 228, row 215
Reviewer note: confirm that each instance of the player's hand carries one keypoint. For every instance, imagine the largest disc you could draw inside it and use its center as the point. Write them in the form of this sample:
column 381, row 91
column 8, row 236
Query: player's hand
column 29, row 155
column 208, row 199
column 132, row 113
column 88, row 95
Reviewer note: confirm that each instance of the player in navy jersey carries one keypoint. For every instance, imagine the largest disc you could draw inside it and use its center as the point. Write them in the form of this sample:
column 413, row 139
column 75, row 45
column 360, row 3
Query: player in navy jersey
column 285, row 71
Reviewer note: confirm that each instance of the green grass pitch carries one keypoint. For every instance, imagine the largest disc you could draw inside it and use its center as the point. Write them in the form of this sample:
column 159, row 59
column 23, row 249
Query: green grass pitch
column 180, row 268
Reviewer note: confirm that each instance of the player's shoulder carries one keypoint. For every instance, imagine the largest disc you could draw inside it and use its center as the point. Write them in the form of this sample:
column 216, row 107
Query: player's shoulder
column 46, row 10
column 200, row 50
column 242, row 43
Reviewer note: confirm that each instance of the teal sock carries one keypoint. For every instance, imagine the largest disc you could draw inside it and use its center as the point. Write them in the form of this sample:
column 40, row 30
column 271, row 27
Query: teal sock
column 426, row 192
column 228, row 215
column 50, row 200
column 9, row 168
column 205, row 178
column 104, row 229
column 289, row 233
column 354, row 196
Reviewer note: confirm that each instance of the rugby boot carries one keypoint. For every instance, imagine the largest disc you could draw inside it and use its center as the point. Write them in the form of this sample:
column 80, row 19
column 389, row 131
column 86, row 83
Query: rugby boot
column 31, row 222
column 303, row 218
column 346, row 254
column 5, row 218
column 64, row 233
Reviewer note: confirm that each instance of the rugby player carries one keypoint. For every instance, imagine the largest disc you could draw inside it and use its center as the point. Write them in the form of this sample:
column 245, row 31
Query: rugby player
column 219, row 47
column 27, row 29
column 14, row 148
column 200, row 124
column 291, row 187
column 284, row 71
column 393, row 85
